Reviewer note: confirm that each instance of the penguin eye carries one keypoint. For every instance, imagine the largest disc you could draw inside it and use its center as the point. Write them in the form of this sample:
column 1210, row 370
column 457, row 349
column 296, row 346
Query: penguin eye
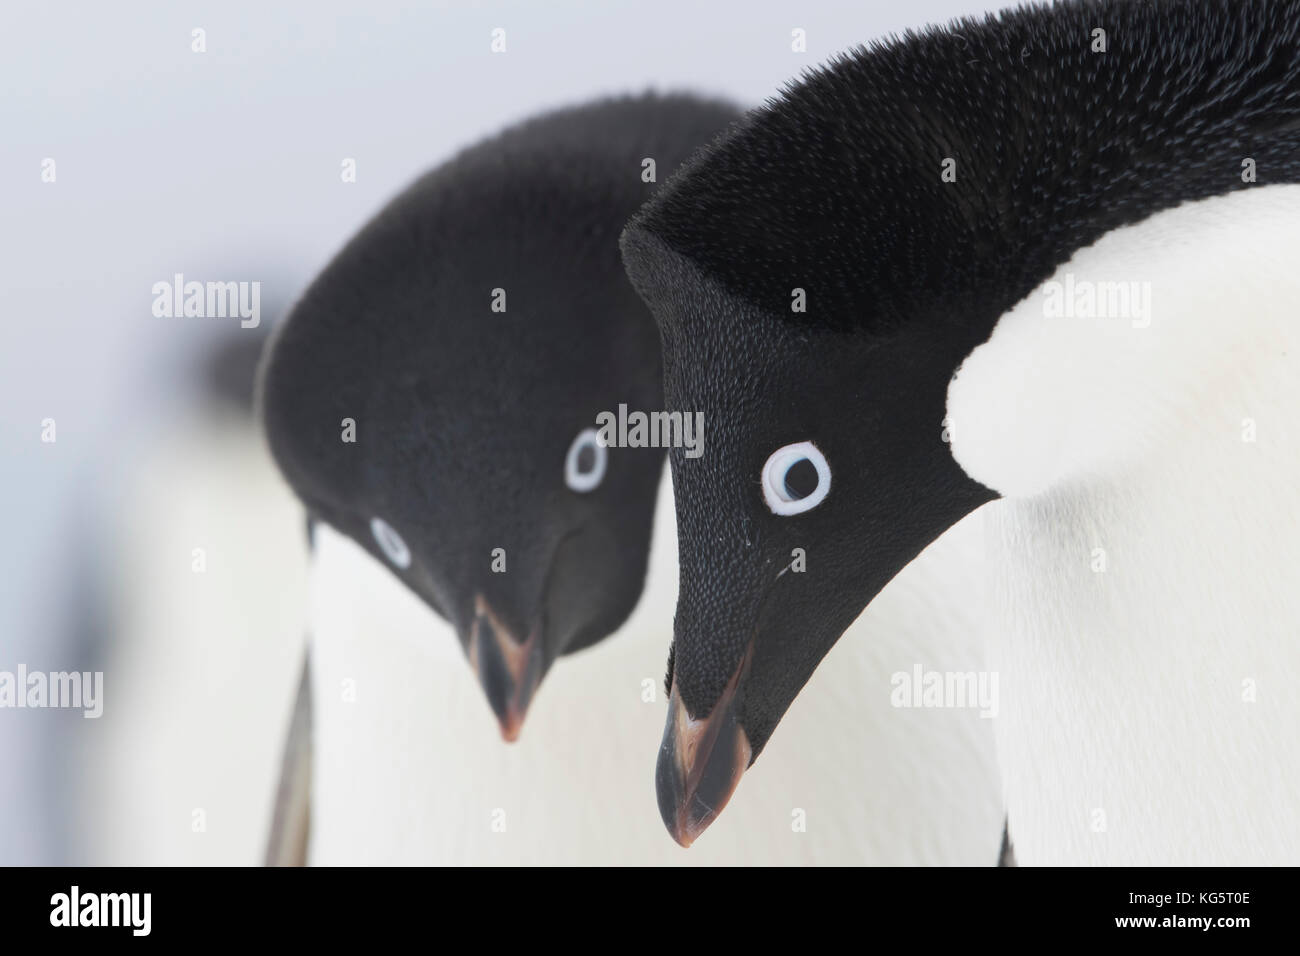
column 795, row 479
column 390, row 542
column 584, row 465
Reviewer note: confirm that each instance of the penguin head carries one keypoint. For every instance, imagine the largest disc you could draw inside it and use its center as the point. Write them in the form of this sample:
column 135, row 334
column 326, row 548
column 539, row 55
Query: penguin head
column 820, row 274
column 434, row 395
column 823, row 474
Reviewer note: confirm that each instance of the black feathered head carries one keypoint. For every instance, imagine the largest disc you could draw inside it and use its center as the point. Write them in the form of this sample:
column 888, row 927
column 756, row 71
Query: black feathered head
column 435, row 392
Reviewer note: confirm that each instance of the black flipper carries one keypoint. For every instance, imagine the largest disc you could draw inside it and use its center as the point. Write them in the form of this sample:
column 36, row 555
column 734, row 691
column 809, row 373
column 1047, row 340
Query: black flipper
column 1007, row 855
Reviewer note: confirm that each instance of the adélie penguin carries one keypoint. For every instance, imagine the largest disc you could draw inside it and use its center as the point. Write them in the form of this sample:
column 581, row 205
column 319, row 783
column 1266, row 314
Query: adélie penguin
column 473, row 503
column 413, row 397
column 421, row 396
column 1043, row 265
column 202, row 571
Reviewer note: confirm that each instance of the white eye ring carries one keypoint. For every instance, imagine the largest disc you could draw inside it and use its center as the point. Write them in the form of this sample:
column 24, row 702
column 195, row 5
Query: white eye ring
column 778, row 465
column 583, row 481
column 390, row 542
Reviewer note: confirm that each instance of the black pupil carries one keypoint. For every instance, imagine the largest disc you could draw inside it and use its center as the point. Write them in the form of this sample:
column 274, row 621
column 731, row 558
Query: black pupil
column 586, row 460
column 800, row 479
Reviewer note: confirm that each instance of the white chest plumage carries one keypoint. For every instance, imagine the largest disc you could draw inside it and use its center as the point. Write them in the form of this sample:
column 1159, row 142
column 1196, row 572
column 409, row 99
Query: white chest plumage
column 409, row 766
column 1146, row 560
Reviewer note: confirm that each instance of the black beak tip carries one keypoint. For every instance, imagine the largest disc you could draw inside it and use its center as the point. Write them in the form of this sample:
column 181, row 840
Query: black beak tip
column 699, row 767
column 508, row 670
column 669, row 789
column 511, row 725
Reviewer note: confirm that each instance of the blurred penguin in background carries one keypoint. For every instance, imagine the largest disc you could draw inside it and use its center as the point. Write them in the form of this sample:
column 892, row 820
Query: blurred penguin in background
column 199, row 577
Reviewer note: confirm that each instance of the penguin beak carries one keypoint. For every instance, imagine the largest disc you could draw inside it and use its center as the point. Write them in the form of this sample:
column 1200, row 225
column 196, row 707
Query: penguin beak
column 700, row 762
column 508, row 668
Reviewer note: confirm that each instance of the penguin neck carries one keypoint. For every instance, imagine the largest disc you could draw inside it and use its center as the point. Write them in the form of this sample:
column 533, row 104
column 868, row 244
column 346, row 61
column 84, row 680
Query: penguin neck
column 1147, row 552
